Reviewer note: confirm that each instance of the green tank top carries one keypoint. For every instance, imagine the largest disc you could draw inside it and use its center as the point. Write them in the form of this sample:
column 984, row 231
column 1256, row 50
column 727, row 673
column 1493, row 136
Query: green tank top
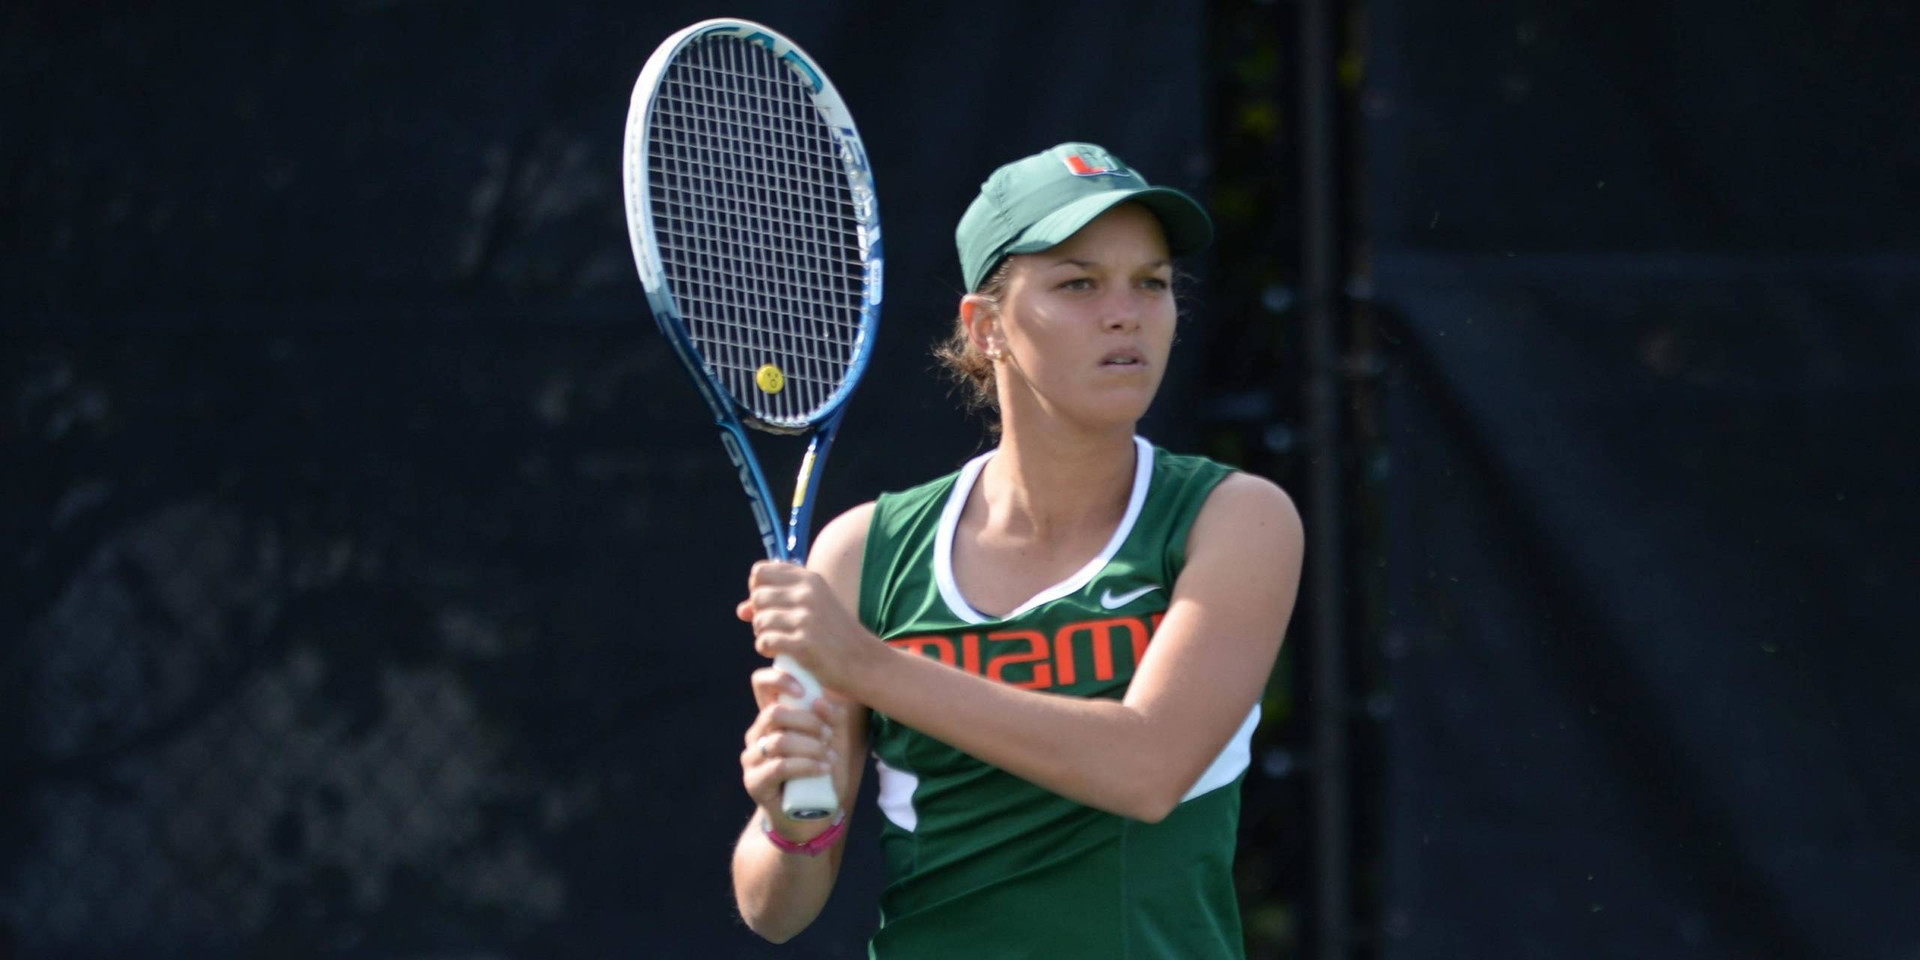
column 981, row 863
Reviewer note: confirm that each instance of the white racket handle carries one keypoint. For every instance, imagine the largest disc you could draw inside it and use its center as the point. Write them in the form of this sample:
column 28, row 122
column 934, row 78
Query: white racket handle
column 805, row 798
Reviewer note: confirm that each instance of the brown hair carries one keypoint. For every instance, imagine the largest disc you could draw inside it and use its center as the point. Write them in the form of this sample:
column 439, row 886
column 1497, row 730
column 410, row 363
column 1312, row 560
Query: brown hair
column 970, row 369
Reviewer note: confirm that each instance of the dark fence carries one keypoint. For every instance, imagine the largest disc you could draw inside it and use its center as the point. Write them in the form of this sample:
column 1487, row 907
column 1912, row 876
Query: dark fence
column 1650, row 281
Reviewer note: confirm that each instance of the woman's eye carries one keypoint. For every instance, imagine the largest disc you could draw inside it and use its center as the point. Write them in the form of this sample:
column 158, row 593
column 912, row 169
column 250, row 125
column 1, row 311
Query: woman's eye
column 1078, row 283
column 1156, row 283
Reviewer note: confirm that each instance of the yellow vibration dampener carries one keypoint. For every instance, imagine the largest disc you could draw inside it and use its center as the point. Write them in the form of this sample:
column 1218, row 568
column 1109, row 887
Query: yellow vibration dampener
column 770, row 379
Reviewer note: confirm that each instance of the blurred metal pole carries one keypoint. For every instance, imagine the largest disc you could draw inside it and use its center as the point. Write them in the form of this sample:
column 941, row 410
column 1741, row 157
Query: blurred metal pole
column 1320, row 281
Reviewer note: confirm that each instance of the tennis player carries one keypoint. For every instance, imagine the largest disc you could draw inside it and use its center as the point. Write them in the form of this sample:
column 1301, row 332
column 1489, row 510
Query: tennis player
column 1057, row 653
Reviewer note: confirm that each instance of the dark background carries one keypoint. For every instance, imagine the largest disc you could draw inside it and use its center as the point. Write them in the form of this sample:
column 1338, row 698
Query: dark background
column 368, row 565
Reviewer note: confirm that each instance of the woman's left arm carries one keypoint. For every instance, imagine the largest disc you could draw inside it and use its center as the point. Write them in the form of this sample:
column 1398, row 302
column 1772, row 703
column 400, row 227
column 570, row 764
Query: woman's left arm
column 1204, row 670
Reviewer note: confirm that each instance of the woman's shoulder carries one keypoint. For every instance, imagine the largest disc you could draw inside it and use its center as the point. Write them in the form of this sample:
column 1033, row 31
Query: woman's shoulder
column 839, row 549
column 1242, row 504
column 1247, row 528
column 846, row 532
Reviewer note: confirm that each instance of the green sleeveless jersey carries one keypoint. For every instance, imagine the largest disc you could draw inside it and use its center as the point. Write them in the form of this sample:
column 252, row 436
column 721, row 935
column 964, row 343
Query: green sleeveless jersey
column 983, row 864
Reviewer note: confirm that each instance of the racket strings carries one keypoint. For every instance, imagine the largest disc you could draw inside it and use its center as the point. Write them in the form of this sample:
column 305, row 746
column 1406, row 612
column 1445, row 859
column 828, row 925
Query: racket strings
column 758, row 228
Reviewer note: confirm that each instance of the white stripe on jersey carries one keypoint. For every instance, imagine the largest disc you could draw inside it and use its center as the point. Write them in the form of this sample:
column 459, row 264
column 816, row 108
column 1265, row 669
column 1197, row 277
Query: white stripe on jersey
column 1231, row 761
column 896, row 795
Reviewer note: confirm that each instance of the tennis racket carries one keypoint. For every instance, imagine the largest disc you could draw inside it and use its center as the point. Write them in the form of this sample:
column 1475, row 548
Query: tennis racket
column 751, row 210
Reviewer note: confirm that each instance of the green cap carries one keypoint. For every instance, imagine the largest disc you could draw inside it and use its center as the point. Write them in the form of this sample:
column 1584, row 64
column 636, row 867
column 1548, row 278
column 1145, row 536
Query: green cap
column 1038, row 202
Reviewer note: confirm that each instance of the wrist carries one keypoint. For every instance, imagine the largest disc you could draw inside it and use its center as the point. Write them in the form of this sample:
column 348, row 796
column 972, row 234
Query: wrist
column 822, row 837
column 786, row 828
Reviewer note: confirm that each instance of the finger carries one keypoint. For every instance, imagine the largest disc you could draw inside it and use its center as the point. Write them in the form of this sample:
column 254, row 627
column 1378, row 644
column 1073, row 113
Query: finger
column 770, row 684
column 793, row 768
column 788, row 743
column 781, row 717
column 761, row 726
column 830, row 711
column 779, row 618
column 767, row 572
column 773, row 597
column 764, row 777
column 765, row 781
column 781, row 767
column 744, row 610
column 772, row 643
column 778, row 717
column 759, row 786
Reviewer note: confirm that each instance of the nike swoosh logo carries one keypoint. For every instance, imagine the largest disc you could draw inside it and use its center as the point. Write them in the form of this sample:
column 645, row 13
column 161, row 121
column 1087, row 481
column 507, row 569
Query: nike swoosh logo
column 1111, row 602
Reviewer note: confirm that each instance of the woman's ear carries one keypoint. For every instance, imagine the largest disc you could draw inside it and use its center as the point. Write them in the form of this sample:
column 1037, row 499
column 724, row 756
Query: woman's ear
column 982, row 317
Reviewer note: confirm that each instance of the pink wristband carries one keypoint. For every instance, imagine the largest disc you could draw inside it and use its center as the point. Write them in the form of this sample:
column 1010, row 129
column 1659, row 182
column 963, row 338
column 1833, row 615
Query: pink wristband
column 812, row 847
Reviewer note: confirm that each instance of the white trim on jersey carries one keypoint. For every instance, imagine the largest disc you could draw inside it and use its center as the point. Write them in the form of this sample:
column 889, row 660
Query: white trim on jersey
column 950, row 520
column 1232, row 760
column 896, row 795
column 897, row 786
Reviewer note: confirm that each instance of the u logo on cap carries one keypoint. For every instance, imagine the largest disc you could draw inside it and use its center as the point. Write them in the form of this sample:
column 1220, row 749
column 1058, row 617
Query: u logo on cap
column 1092, row 163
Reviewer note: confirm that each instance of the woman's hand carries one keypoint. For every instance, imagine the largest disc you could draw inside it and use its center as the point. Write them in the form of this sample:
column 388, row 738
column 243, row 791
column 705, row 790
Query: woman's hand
column 794, row 612
column 784, row 743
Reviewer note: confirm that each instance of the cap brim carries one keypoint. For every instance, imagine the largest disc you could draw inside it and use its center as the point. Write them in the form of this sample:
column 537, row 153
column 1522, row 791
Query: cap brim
column 1187, row 226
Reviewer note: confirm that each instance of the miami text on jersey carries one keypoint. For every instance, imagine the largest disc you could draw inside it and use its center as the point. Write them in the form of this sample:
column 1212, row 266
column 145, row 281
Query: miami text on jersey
column 1032, row 660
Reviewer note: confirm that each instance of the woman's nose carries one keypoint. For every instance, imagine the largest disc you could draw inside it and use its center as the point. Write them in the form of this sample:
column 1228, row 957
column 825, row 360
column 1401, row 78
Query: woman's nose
column 1120, row 312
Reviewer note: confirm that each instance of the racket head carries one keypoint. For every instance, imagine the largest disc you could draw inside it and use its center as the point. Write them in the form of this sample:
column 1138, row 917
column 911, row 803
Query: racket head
column 751, row 211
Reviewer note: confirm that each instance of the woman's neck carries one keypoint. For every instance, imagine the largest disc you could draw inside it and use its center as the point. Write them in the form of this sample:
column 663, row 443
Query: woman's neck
column 1054, row 484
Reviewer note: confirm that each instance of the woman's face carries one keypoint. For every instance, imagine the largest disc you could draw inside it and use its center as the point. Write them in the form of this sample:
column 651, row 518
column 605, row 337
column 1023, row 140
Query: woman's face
column 1084, row 329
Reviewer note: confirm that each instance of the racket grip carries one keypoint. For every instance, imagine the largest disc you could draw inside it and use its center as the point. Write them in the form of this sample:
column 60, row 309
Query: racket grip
column 805, row 798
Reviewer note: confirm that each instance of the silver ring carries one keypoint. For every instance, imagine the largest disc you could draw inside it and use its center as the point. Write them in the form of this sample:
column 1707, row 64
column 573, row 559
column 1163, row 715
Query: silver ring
column 762, row 744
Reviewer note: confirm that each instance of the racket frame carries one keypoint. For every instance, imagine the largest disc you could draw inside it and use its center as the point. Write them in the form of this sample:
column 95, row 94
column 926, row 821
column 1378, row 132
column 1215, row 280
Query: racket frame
column 729, row 415
column 790, row 541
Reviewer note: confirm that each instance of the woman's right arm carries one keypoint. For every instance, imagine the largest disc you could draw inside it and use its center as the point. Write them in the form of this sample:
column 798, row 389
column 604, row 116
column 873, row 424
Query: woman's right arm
column 780, row 893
